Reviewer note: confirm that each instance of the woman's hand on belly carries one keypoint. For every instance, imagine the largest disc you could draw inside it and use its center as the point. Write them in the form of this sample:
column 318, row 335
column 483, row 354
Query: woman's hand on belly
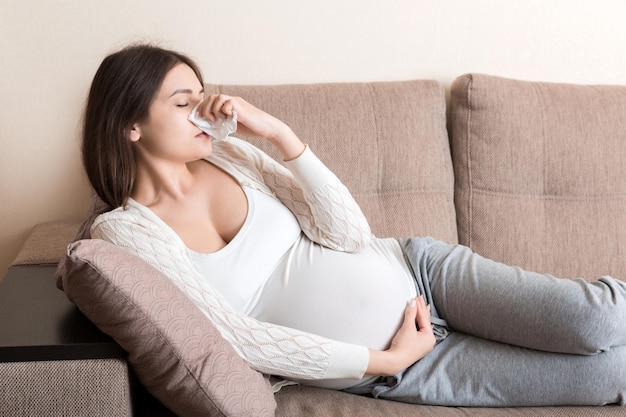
column 410, row 344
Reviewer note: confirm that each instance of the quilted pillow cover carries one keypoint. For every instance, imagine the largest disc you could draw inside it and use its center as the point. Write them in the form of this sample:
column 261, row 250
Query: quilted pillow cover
column 172, row 347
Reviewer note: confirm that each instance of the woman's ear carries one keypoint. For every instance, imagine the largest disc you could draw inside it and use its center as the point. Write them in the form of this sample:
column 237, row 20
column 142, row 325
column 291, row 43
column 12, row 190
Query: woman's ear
column 135, row 133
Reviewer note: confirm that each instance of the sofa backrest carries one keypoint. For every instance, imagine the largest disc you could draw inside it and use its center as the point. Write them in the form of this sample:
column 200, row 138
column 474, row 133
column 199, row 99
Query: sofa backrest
column 386, row 141
column 541, row 173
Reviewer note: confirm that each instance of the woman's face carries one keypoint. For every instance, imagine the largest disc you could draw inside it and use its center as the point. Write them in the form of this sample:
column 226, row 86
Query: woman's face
column 167, row 134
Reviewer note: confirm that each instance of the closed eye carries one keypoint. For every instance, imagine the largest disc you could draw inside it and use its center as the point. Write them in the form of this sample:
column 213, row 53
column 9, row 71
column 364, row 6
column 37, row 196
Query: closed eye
column 182, row 105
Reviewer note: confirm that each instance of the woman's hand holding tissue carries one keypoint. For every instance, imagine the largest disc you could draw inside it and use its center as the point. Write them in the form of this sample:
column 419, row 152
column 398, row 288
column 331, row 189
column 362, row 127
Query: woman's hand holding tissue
column 252, row 121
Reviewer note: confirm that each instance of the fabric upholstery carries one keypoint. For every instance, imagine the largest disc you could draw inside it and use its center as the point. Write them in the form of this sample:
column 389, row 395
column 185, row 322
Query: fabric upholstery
column 317, row 402
column 386, row 141
column 172, row 347
column 46, row 243
column 76, row 388
column 541, row 174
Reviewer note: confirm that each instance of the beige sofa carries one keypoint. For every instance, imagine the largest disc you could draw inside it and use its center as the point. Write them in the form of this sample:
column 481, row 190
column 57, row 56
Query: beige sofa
column 531, row 174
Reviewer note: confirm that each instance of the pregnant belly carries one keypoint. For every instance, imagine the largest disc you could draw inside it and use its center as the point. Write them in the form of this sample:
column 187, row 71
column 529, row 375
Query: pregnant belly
column 344, row 299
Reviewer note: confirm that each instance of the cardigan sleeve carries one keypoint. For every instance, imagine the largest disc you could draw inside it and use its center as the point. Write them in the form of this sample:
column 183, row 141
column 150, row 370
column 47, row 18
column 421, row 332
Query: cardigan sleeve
column 337, row 220
column 266, row 347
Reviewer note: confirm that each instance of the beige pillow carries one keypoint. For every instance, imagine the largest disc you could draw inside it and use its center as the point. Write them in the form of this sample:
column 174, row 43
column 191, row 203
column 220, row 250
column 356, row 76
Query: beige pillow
column 172, row 346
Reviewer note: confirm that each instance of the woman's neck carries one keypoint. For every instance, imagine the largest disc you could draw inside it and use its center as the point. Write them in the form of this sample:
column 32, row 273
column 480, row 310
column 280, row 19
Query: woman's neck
column 156, row 182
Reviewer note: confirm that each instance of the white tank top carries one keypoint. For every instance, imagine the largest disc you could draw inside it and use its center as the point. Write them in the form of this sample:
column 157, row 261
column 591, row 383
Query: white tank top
column 242, row 267
column 273, row 272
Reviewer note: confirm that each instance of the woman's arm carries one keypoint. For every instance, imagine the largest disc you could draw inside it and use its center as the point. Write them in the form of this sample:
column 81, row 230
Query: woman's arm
column 325, row 209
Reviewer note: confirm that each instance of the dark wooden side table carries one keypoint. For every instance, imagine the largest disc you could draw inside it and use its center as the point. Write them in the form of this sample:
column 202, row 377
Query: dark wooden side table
column 39, row 323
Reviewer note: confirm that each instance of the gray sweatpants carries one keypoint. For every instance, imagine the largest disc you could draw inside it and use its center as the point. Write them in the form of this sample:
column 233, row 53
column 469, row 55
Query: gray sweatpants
column 516, row 338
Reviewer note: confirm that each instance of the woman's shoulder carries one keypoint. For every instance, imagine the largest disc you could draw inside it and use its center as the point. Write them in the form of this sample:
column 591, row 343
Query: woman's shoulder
column 135, row 226
column 123, row 217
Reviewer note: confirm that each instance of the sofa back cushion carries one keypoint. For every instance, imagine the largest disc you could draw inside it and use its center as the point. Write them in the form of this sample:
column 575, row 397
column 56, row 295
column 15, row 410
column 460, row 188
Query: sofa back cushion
column 386, row 141
column 541, row 173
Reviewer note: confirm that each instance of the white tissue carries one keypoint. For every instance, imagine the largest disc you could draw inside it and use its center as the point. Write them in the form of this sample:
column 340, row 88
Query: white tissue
column 220, row 129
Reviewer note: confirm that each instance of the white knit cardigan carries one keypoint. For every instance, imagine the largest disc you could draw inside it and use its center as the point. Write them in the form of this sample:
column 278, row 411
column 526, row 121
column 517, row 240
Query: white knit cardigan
column 327, row 214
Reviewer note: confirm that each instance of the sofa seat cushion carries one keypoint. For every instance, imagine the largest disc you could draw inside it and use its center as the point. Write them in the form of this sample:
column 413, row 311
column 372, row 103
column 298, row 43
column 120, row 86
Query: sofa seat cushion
column 172, row 346
column 540, row 174
column 316, row 402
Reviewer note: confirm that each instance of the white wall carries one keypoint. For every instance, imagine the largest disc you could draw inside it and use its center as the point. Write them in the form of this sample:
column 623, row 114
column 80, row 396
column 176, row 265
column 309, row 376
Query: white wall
column 49, row 51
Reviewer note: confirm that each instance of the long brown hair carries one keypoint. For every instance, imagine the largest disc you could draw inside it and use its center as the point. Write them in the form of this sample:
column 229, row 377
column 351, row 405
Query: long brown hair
column 121, row 92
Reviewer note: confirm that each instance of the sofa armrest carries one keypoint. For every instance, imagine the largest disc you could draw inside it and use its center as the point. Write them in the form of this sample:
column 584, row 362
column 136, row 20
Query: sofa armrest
column 47, row 243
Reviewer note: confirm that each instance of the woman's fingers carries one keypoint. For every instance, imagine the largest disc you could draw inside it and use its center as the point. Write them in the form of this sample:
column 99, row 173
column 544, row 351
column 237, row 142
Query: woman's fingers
column 409, row 343
column 216, row 106
column 417, row 312
column 410, row 312
column 422, row 315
